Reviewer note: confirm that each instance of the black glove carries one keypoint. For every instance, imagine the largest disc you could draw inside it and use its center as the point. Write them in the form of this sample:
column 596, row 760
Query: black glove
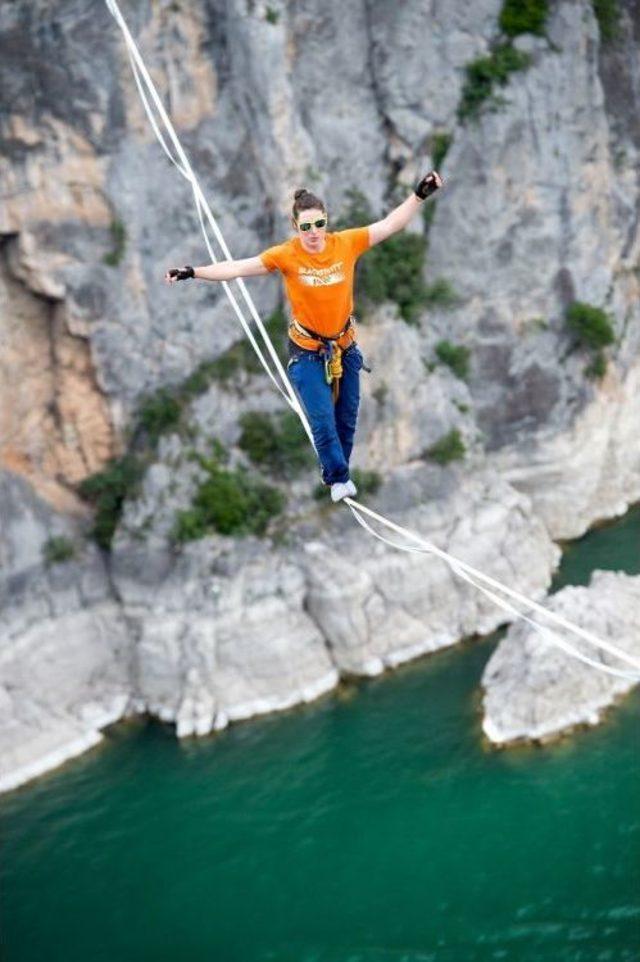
column 182, row 273
column 427, row 186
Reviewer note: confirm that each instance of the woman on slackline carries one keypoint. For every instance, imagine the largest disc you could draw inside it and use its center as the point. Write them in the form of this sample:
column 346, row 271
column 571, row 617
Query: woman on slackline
column 324, row 359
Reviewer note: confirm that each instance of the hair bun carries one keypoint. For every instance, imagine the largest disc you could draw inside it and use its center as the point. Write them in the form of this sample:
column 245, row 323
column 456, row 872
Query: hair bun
column 305, row 200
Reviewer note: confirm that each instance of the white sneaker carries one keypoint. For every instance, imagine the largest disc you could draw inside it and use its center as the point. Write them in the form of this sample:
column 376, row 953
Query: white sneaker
column 340, row 490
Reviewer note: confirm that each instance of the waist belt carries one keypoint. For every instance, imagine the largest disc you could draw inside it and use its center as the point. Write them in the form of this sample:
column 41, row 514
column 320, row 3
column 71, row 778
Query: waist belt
column 331, row 350
column 320, row 338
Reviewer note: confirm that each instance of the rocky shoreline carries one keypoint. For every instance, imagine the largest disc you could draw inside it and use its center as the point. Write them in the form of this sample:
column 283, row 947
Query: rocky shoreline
column 237, row 628
column 250, row 630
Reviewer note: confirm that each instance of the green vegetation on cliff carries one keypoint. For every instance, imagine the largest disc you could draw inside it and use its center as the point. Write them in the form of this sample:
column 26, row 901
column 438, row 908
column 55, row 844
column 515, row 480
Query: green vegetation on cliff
column 160, row 412
column 107, row 490
column 523, row 16
column 228, row 502
column 608, row 16
column 484, row 74
column 594, row 330
column 118, row 242
column 276, row 442
column 440, row 143
column 591, row 324
column 450, row 447
column 57, row 549
column 455, row 356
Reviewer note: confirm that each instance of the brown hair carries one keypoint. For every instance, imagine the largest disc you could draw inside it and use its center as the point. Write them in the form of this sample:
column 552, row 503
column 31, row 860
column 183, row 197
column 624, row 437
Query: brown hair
column 304, row 200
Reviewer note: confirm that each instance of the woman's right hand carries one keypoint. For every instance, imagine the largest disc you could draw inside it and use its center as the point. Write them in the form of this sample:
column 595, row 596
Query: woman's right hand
column 179, row 274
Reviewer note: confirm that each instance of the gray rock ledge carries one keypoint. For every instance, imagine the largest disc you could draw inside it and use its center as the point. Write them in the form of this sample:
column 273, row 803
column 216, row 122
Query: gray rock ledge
column 534, row 691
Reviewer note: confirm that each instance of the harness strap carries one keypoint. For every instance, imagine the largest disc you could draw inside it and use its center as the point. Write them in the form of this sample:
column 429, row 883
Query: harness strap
column 320, row 338
column 332, row 353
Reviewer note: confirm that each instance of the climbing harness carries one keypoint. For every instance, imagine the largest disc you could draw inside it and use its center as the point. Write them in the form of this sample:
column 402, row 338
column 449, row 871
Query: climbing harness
column 328, row 348
column 489, row 587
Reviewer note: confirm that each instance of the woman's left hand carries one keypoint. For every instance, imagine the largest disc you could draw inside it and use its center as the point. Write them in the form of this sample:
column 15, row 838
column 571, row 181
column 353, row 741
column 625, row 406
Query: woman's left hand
column 429, row 184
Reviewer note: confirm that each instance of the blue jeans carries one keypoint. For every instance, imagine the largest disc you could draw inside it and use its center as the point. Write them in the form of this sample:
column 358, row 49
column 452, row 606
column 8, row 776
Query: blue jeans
column 332, row 425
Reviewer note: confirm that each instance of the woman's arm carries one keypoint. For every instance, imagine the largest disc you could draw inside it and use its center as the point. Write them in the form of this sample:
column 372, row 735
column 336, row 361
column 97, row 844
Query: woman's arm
column 400, row 216
column 223, row 271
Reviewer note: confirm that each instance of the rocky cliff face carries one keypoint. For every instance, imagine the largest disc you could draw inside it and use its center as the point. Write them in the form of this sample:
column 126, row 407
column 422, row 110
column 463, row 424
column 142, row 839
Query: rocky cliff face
column 541, row 208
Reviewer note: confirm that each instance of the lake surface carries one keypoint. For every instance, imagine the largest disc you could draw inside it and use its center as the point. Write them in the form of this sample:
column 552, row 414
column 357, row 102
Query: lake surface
column 373, row 826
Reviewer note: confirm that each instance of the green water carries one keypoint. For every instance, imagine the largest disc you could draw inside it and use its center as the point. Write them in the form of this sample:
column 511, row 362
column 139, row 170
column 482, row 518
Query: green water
column 371, row 826
column 613, row 546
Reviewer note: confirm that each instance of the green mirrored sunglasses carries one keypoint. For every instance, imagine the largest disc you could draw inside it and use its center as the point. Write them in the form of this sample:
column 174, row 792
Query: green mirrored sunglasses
column 322, row 222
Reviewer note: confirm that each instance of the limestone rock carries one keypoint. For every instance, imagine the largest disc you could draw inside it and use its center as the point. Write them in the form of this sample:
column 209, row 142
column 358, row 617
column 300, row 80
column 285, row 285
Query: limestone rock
column 591, row 470
column 63, row 680
column 224, row 637
column 65, row 647
column 544, row 192
column 533, row 690
column 403, row 384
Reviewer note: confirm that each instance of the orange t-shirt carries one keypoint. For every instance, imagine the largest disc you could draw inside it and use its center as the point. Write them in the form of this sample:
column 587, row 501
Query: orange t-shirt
column 320, row 286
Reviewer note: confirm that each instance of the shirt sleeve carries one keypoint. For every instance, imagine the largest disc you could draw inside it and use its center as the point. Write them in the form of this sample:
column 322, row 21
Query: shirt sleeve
column 273, row 258
column 358, row 238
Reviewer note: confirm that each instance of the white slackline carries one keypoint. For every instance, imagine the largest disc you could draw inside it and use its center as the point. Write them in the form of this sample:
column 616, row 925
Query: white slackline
column 471, row 575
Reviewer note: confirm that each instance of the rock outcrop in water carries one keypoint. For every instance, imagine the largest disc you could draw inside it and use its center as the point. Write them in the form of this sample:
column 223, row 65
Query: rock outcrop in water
column 534, row 691
column 542, row 208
